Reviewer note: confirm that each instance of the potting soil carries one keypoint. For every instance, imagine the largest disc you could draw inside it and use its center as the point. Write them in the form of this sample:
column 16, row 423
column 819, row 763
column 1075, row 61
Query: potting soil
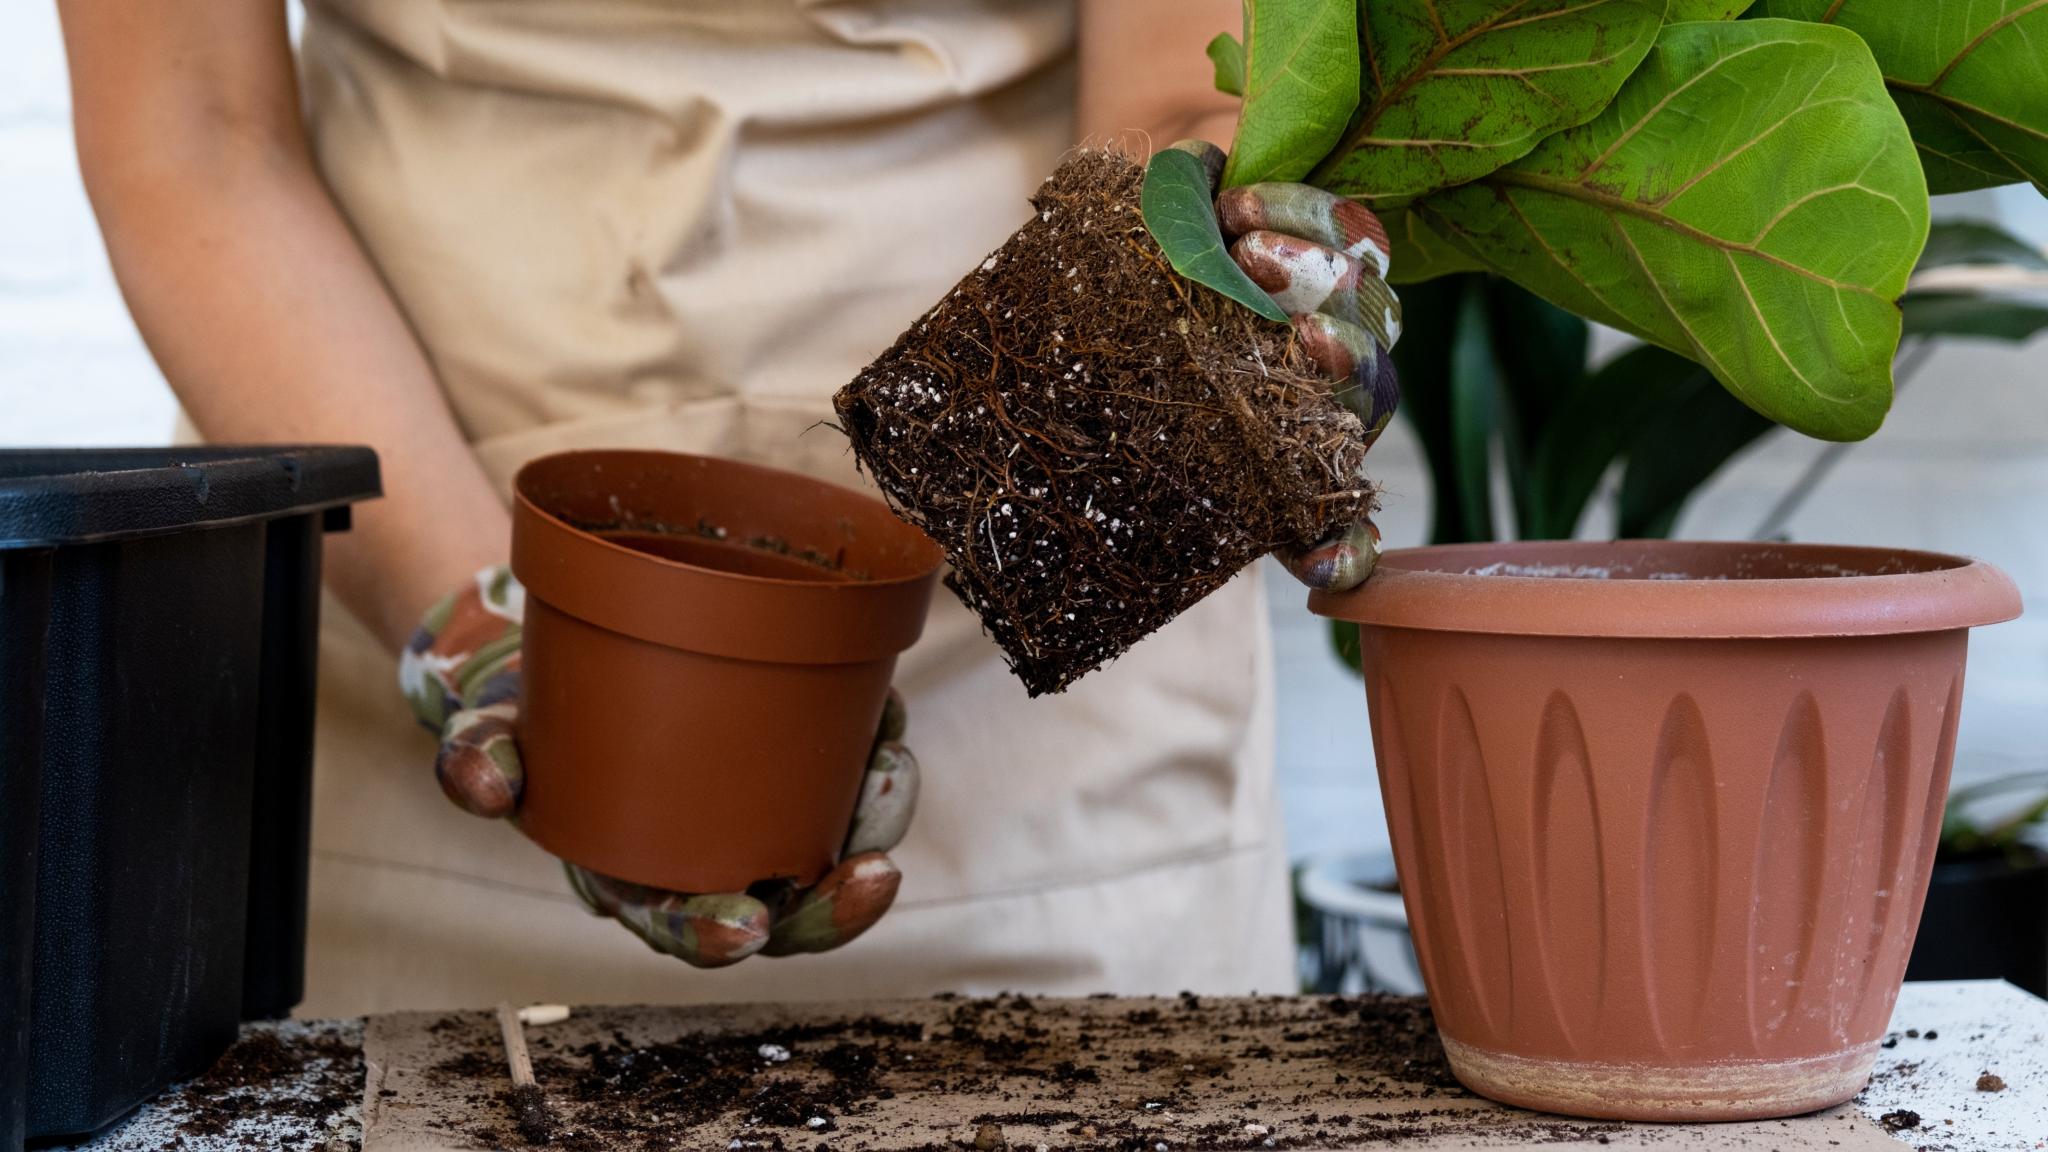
column 1096, row 442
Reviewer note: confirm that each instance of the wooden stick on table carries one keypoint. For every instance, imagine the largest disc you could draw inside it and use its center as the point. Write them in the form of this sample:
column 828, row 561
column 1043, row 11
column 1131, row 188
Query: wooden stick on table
column 529, row 1104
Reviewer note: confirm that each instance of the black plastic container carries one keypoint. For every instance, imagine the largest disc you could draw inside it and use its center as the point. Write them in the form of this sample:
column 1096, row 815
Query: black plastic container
column 159, row 615
column 1986, row 918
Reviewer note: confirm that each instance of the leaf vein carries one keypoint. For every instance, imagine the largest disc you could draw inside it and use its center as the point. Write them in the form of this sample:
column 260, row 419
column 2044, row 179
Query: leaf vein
column 1667, row 98
column 1575, row 190
column 1976, row 41
column 1758, row 312
column 1746, row 145
column 1657, row 286
column 1564, row 66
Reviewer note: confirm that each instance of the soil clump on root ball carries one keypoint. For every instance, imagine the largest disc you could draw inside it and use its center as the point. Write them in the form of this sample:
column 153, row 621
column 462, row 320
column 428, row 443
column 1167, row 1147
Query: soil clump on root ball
column 1096, row 442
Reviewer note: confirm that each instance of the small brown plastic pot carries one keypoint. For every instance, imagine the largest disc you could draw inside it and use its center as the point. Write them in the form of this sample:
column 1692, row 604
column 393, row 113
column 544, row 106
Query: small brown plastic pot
column 700, row 719
column 1664, row 811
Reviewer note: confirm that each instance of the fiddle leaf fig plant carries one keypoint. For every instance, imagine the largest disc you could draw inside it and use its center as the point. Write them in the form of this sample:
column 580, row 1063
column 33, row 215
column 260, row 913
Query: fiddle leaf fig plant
column 1970, row 78
column 1744, row 194
column 1456, row 90
column 1750, row 201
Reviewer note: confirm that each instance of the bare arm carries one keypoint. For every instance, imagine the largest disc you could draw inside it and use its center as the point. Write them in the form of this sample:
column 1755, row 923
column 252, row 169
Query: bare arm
column 262, row 310
column 1142, row 68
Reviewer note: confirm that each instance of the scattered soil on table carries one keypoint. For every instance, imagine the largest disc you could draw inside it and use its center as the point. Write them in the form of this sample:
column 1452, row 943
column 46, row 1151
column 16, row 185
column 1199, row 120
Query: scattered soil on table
column 1095, row 442
column 278, row 1092
column 1901, row 1120
column 1007, row 1073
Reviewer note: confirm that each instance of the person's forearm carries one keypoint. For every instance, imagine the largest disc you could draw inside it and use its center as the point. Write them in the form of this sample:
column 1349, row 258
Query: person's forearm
column 271, row 325
column 1142, row 69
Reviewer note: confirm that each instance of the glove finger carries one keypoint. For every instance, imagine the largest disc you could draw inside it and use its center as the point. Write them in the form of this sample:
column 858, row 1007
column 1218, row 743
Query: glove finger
column 478, row 764
column 701, row 931
column 463, row 642
column 600, row 894
column 1346, row 352
column 894, row 719
column 1311, row 213
column 888, row 799
column 1303, row 276
column 846, row 903
column 426, row 677
column 1339, row 561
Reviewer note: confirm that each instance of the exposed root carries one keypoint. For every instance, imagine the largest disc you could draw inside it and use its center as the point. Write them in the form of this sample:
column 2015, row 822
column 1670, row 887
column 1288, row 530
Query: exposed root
column 1095, row 442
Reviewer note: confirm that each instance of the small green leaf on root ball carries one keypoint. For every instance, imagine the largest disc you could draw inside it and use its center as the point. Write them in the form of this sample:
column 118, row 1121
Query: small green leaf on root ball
column 1181, row 214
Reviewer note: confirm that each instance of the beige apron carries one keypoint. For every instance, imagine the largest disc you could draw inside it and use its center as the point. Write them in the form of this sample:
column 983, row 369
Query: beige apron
column 682, row 224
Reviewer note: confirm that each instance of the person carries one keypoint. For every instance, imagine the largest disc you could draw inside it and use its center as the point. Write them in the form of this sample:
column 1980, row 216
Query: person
column 470, row 234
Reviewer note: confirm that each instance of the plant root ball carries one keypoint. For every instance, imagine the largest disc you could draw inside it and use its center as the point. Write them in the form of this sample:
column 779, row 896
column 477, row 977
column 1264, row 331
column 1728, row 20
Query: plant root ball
column 1096, row 442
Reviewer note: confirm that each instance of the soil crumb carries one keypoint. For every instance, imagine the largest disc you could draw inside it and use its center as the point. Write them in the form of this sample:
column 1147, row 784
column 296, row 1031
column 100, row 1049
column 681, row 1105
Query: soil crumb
column 1095, row 442
column 531, row 1114
column 1990, row 1082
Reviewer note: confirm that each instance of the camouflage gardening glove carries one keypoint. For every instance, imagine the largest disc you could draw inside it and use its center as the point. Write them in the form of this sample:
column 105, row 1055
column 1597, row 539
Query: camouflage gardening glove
column 1323, row 259
column 460, row 673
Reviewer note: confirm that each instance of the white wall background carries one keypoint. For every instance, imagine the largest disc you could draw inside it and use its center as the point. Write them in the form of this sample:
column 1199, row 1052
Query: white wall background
column 1961, row 465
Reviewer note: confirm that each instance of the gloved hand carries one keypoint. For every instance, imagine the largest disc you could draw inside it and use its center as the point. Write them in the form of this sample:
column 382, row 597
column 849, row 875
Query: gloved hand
column 461, row 674
column 1323, row 259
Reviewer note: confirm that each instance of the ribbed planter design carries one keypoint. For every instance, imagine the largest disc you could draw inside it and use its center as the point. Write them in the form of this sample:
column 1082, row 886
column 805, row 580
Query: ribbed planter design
column 1664, row 812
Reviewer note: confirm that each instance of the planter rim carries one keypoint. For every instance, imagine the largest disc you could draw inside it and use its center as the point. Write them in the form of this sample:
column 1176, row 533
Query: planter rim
column 715, row 612
column 1677, row 589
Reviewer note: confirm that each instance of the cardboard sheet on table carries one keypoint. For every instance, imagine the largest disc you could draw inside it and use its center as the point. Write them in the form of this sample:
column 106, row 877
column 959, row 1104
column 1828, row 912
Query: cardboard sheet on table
column 1185, row 1073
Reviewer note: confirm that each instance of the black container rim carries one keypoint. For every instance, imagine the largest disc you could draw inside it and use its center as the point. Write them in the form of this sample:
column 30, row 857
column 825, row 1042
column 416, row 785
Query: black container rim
column 54, row 497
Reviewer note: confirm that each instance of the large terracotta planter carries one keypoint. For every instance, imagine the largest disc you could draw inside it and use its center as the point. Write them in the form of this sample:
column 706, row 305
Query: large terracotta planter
column 1664, row 812
column 708, row 648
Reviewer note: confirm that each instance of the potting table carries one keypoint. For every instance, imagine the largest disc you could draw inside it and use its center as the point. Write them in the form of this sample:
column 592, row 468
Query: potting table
column 1177, row 1074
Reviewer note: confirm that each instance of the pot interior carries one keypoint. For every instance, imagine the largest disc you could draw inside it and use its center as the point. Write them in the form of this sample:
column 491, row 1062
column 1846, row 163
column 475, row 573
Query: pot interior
column 700, row 550
column 728, row 517
column 1667, row 560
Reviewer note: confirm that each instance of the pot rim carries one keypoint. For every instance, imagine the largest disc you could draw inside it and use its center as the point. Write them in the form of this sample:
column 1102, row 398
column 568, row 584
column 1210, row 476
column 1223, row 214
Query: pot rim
column 709, row 610
column 1628, row 589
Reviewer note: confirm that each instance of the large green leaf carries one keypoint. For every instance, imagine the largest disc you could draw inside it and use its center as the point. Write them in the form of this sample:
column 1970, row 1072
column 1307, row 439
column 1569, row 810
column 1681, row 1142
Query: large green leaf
column 1591, row 429
column 1694, row 432
column 1750, row 200
column 1418, row 252
column 1971, row 77
column 1679, row 11
column 1539, row 354
column 1228, row 57
column 1182, row 218
column 1475, row 390
column 1300, row 85
column 1453, row 89
column 1971, row 314
column 1975, row 242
